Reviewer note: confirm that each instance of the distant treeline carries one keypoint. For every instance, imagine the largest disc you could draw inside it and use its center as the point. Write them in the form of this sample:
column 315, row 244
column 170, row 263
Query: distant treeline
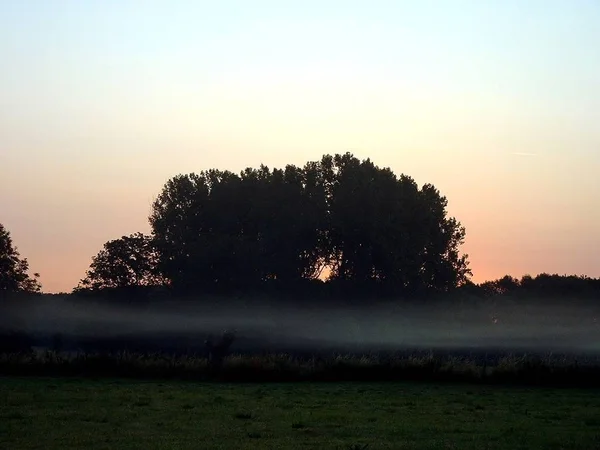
column 543, row 287
column 334, row 227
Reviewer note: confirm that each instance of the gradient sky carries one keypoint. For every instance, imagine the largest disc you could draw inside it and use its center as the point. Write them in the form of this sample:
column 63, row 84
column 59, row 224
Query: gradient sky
column 497, row 103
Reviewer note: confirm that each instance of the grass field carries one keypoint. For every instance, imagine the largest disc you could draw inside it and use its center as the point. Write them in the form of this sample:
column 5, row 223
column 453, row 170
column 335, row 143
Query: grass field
column 47, row 413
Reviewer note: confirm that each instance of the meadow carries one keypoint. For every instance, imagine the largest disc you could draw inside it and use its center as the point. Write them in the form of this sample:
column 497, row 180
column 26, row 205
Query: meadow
column 290, row 379
column 58, row 413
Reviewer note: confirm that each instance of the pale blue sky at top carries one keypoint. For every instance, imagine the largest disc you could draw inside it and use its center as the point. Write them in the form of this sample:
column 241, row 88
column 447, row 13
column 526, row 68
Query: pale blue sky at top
column 102, row 101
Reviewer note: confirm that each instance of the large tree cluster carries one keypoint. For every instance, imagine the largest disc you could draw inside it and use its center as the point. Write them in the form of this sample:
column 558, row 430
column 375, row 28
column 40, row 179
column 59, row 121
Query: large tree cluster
column 339, row 218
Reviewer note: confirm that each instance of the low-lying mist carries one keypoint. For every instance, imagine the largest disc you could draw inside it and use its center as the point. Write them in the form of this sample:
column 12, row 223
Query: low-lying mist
column 270, row 326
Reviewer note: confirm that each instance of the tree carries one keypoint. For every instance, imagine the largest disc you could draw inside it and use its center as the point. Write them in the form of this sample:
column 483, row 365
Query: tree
column 237, row 231
column 384, row 229
column 369, row 226
column 185, row 230
column 14, row 270
column 287, row 216
column 125, row 262
column 502, row 286
column 443, row 266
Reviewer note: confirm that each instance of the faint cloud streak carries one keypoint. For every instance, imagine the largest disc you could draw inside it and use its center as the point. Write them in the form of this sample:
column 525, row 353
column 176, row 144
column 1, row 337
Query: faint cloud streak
column 523, row 154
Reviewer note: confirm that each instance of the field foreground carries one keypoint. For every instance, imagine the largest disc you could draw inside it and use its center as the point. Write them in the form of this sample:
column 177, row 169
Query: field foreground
column 44, row 413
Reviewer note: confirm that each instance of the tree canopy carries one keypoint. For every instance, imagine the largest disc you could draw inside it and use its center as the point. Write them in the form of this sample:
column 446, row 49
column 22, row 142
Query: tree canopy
column 334, row 223
column 123, row 263
column 14, row 270
column 365, row 224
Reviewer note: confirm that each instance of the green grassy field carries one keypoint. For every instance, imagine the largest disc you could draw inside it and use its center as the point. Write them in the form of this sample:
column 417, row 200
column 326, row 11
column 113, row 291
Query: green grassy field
column 45, row 413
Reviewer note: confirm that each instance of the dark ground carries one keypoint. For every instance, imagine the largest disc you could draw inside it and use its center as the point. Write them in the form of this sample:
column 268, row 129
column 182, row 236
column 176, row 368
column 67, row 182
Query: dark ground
column 60, row 413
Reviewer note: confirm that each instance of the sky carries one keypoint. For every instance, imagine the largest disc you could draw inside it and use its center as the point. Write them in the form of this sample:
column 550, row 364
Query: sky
column 496, row 103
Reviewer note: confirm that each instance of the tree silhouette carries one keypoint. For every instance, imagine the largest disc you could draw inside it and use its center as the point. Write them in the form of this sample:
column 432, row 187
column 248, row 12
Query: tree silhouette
column 502, row 286
column 14, row 270
column 383, row 229
column 125, row 262
column 286, row 219
column 369, row 226
column 220, row 229
column 543, row 286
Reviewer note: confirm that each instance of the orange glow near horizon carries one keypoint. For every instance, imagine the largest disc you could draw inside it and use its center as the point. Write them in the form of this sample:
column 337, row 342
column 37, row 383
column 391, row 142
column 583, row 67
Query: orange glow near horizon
column 102, row 103
column 508, row 231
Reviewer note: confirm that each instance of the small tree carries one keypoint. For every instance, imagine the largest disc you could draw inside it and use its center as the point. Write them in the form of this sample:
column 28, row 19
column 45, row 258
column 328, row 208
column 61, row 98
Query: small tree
column 14, row 270
column 125, row 262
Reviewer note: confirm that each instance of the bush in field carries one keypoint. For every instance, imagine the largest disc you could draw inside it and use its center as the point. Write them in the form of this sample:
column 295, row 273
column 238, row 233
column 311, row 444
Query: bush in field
column 218, row 350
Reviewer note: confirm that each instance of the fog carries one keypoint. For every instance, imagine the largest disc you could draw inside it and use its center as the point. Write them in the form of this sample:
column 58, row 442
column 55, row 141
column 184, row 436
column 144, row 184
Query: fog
column 266, row 326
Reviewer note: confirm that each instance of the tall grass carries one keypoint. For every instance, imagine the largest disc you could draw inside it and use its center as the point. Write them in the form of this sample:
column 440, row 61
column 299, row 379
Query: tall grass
column 284, row 367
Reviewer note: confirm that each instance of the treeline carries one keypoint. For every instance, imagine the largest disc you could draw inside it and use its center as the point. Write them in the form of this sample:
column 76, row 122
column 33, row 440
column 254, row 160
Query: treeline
column 543, row 285
column 335, row 227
